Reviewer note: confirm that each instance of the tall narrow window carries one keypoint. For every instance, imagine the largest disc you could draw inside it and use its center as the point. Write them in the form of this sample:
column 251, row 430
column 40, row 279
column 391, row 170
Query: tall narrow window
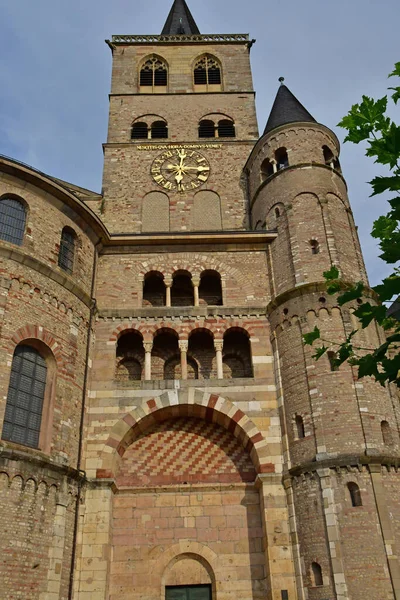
column 12, row 220
column 282, row 160
column 154, row 73
column 314, row 245
column 207, row 71
column 355, row 494
column 332, row 360
column 267, row 169
column 386, row 433
column 25, row 397
column 226, row 128
column 316, row 574
column 300, row 427
column 67, row 250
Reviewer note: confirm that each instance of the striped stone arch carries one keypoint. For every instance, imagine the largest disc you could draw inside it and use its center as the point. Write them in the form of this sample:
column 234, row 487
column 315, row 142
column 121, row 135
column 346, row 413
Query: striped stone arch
column 184, row 403
column 128, row 326
column 187, row 263
column 34, row 332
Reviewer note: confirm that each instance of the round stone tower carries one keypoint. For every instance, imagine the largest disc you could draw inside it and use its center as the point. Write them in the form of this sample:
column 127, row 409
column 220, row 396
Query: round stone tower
column 341, row 436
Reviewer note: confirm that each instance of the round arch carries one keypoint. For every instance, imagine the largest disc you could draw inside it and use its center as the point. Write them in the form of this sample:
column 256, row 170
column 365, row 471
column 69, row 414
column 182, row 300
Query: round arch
column 176, row 403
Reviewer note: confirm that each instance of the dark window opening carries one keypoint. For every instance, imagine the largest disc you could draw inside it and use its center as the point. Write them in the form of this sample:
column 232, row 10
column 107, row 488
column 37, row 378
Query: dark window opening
column 12, row 221
column 277, row 213
column 130, row 357
column 188, row 592
column 332, row 360
column 328, row 155
column 154, row 289
column 210, row 290
column 23, row 416
column 159, row 130
column 300, row 427
column 182, row 293
column 201, row 352
column 355, row 494
column 386, row 433
column 314, row 245
column 67, row 250
column 226, row 128
column 267, row 169
column 236, row 355
column 165, row 356
column 139, row 131
column 206, row 129
column 281, row 157
column 316, row 572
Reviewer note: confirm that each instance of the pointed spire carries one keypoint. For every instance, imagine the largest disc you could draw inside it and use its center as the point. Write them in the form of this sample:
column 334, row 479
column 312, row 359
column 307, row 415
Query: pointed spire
column 286, row 109
column 180, row 20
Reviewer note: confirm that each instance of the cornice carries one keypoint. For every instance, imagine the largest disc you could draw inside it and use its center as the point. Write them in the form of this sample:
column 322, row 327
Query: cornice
column 178, row 312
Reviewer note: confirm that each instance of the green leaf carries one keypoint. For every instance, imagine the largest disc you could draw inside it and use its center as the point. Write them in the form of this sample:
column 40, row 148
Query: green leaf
column 309, row 338
column 367, row 366
column 388, row 289
column 367, row 313
column 387, row 148
column 383, row 184
column 396, row 95
column 351, row 294
column 364, row 118
column 319, row 352
column 332, row 274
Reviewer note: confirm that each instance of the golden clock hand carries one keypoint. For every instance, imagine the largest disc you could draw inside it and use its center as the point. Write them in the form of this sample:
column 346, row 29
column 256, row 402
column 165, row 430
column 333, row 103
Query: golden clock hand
column 199, row 168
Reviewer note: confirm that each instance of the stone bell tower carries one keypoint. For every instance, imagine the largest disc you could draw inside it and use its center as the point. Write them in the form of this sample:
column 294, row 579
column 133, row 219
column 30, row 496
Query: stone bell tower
column 341, row 436
column 178, row 88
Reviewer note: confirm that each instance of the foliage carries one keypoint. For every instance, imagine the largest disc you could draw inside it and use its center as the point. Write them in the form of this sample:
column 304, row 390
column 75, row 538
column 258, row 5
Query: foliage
column 368, row 122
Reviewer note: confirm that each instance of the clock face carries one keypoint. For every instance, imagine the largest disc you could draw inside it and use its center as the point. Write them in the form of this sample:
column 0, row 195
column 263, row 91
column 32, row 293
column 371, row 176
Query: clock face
column 180, row 170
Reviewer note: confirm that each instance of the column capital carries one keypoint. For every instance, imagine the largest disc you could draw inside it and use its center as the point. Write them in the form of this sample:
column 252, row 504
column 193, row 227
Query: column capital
column 195, row 281
column 183, row 345
column 148, row 346
column 218, row 345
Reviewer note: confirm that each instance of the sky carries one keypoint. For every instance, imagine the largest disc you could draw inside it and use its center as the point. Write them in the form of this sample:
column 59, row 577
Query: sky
column 55, row 76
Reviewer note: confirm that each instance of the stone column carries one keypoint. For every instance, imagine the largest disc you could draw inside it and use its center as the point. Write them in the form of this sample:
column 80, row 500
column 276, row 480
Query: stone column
column 218, row 345
column 274, row 165
column 196, row 283
column 168, row 286
column 183, row 347
column 278, row 549
column 56, row 550
column 148, row 347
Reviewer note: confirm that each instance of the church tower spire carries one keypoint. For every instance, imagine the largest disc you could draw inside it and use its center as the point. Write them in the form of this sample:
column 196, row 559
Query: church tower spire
column 286, row 109
column 180, row 20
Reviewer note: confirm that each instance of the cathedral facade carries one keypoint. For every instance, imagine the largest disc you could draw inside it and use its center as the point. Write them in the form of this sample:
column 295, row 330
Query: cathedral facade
column 166, row 435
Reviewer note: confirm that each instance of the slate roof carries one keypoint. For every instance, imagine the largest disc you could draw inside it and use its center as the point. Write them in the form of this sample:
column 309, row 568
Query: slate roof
column 286, row 109
column 180, row 20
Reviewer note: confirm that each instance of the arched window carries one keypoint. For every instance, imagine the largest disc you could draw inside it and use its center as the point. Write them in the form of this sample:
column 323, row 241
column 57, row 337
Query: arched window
column 277, row 213
column 386, row 433
column 154, row 289
column 226, row 128
column 314, row 245
column 210, row 290
column 282, row 160
column 300, row 427
column 165, row 356
column 236, row 354
column 332, row 360
column 355, row 494
column 316, row 574
column 12, row 220
column 201, row 353
column 66, row 253
column 154, row 73
column 182, row 293
column 207, row 71
column 140, row 131
column 267, row 169
column 23, row 416
column 130, row 357
column 206, row 129
column 328, row 156
column 159, row 130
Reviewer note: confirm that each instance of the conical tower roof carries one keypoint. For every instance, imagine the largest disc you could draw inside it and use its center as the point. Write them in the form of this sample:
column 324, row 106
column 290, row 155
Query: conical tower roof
column 286, row 109
column 180, row 20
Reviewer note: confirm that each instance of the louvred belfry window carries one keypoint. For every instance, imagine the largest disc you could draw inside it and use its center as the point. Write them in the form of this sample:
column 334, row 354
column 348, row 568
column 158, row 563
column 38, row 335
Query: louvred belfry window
column 67, row 250
column 154, row 73
column 207, row 71
column 25, row 397
column 12, row 220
